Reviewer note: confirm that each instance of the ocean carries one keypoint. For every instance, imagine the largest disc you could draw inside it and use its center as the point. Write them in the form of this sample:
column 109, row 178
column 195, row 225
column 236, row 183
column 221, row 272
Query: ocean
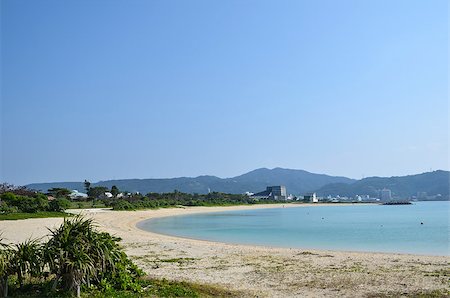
column 420, row 228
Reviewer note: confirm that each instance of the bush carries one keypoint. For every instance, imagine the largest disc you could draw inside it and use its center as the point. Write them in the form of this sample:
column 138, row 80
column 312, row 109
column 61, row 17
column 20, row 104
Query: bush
column 122, row 205
column 59, row 205
column 24, row 203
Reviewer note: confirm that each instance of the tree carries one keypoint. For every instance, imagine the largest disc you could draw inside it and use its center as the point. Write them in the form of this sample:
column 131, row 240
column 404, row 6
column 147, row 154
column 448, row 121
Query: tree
column 24, row 203
column 59, row 192
column 87, row 186
column 97, row 191
column 115, row 191
column 59, row 205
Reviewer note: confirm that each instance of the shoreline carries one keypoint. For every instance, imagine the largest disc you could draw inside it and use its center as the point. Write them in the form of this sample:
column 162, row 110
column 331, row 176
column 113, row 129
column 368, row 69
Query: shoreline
column 256, row 270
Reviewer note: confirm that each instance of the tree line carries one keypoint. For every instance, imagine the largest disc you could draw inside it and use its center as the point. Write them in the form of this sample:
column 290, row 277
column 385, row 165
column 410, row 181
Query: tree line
column 20, row 199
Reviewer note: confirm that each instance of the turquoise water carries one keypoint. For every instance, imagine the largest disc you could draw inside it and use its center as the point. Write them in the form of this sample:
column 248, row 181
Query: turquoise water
column 351, row 228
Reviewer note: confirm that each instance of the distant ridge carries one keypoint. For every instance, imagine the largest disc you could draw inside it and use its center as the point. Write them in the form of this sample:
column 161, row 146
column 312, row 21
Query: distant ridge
column 297, row 182
column 433, row 183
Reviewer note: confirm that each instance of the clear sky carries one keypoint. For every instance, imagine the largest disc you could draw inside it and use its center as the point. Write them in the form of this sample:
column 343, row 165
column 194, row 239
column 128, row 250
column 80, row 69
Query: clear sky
column 148, row 89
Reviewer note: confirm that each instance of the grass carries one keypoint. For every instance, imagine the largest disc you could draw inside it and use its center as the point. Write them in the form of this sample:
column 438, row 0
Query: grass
column 177, row 260
column 418, row 294
column 151, row 288
column 22, row 215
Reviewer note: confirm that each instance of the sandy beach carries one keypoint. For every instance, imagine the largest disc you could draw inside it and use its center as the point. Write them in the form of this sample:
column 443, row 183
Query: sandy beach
column 256, row 270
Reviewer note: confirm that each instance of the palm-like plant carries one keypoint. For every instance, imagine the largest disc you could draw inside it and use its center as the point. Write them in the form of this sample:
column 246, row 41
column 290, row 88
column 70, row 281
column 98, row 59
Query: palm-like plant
column 76, row 254
column 5, row 267
column 68, row 252
column 26, row 259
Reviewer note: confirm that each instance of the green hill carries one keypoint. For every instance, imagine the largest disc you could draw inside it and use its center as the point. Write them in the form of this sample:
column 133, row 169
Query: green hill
column 433, row 183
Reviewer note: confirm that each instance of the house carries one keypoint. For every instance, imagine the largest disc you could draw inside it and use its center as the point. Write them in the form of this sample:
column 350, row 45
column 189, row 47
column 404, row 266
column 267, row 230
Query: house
column 75, row 194
column 107, row 195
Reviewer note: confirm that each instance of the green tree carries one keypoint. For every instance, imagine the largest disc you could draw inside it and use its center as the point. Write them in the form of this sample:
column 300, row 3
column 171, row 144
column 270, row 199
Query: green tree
column 59, row 192
column 59, row 205
column 115, row 191
column 87, row 186
column 24, row 203
column 97, row 191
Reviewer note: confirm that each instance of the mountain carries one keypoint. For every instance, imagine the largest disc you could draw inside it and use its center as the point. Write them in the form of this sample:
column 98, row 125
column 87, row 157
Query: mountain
column 296, row 182
column 433, row 183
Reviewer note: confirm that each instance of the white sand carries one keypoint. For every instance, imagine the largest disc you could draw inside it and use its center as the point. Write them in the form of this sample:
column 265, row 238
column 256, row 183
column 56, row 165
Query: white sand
column 256, row 270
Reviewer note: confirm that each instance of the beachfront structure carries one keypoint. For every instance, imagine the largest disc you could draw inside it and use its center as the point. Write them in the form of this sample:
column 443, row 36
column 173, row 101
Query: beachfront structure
column 75, row 194
column 277, row 192
column 312, row 197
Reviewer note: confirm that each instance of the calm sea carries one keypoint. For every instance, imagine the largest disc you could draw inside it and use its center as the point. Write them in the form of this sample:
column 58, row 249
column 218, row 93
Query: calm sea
column 421, row 228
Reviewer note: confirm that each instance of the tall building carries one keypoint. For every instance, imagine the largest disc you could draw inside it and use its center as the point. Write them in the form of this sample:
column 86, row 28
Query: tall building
column 272, row 192
column 278, row 192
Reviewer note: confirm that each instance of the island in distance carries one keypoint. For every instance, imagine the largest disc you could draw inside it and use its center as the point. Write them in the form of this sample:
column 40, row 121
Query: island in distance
column 298, row 182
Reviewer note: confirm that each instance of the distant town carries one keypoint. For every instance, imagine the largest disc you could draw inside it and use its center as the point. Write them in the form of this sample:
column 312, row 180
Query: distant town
column 384, row 195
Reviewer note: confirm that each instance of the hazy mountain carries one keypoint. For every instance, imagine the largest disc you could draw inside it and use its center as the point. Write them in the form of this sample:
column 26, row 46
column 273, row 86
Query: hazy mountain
column 296, row 182
column 433, row 183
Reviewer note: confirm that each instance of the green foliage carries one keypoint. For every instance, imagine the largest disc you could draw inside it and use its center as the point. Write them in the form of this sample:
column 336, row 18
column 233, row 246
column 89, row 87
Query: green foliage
column 122, row 205
column 150, row 288
column 115, row 191
column 26, row 259
column 59, row 205
column 21, row 215
column 59, row 192
column 96, row 192
column 38, row 202
column 87, row 186
column 77, row 254
column 176, row 198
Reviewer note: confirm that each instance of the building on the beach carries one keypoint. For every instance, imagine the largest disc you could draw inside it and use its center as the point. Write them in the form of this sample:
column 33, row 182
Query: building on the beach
column 312, row 197
column 272, row 192
column 385, row 194
column 75, row 194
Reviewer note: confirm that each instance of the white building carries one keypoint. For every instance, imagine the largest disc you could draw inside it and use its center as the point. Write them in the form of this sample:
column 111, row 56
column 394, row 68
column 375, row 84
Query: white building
column 75, row 194
column 312, row 197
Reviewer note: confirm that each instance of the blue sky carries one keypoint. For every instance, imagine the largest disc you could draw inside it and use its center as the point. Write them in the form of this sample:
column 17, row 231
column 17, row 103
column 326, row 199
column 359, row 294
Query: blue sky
column 146, row 89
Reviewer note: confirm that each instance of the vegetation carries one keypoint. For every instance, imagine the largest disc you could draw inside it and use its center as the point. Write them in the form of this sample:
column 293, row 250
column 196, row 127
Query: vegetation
column 433, row 183
column 19, row 203
column 176, row 198
column 76, row 255
column 21, row 215
column 150, row 288
column 11, row 203
column 79, row 260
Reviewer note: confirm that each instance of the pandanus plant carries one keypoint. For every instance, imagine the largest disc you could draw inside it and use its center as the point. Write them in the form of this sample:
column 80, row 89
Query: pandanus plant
column 76, row 253
column 5, row 268
column 26, row 259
